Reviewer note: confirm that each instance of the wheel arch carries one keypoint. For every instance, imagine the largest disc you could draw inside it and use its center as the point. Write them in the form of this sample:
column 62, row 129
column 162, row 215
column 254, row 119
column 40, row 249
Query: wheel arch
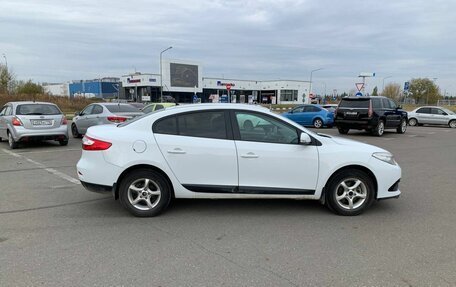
column 141, row 166
column 353, row 166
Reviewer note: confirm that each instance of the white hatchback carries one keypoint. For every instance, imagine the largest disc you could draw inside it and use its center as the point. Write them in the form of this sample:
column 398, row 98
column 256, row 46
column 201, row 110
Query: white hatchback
column 207, row 151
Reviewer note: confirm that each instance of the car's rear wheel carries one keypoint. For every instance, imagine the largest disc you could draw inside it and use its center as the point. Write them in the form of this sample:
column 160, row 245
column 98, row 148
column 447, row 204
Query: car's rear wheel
column 343, row 131
column 412, row 122
column 317, row 123
column 350, row 192
column 74, row 131
column 402, row 127
column 11, row 142
column 379, row 129
column 144, row 193
column 452, row 124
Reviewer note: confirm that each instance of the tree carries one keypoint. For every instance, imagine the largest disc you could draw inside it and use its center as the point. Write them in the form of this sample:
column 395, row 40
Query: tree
column 29, row 88
column 392, row 91
column 375, row 92
column 424, row 91
column 6, row 79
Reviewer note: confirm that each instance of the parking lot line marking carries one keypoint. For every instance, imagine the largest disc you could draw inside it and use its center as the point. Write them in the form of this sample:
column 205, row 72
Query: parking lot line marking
column 412, row 136
column 50, row 170
column 47, row 151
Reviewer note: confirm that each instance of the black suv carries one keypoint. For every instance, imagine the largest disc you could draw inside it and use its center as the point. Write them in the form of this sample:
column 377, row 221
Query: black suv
column 373, row 114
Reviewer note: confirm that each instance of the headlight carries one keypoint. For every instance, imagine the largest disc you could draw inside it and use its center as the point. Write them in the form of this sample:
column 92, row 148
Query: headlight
column 385, row 156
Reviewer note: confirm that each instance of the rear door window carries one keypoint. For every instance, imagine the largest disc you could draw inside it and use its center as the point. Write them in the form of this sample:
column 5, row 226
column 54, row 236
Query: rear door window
column 424, row 111
column 203, row 124
column 376, row 103
column 167, row 126
column 121, row 109
column 37, row 109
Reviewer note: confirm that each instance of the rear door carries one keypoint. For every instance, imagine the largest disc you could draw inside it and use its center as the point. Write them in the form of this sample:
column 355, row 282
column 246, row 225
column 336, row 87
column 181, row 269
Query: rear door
column 392, row 115
column 424, row 115
column 199, row 149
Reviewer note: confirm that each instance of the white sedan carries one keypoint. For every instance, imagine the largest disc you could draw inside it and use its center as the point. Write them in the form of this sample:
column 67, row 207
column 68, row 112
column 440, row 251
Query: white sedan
column 204, row 151
column 433, row 116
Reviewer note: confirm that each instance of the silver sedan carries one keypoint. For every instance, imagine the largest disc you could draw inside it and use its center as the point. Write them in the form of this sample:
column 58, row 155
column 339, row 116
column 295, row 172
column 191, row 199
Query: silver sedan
column 102, row 114
column 432, row 115
column 27, row 121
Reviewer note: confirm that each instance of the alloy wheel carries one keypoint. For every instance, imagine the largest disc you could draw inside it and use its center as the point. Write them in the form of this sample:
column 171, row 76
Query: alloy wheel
column 351, row 193
column 144, row 194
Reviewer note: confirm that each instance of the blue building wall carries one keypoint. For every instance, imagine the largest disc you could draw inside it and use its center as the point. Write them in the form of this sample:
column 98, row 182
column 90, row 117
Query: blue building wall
column 97, row 88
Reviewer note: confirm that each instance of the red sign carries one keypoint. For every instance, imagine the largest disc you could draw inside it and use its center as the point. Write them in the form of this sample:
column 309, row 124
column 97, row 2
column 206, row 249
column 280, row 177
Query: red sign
column 228, row 87
column 359, row 86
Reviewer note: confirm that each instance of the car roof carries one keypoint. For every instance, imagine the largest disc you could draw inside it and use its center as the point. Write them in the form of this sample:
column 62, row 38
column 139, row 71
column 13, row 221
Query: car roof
column 30, row 103
column 364, row 98
column 216, row 106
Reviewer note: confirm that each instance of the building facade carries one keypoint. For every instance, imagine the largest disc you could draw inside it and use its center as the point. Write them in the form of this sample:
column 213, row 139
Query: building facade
column 106, row 88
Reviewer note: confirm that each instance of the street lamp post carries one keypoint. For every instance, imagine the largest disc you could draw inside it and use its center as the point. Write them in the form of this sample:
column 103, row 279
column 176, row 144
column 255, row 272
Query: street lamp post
column 7, row 74
column 383, row 83
column 310, row 82
column 161, row 73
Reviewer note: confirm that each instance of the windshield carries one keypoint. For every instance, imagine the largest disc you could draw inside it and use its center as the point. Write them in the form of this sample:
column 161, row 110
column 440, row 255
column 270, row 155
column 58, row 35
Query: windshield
column 449, row 112
column 37, row 109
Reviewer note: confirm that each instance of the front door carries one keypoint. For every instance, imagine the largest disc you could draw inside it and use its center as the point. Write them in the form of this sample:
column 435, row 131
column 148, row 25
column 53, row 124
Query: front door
column 82, row 121
column 392, row 115
column 270, row 158
column 439, row 116
column 199, row 149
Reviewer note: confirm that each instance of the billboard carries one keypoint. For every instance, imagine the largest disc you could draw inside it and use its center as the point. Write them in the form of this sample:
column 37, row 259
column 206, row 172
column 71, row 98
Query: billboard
column 183, row 75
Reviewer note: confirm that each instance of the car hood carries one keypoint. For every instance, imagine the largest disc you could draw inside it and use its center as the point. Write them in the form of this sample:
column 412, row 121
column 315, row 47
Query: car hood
column 356, row 145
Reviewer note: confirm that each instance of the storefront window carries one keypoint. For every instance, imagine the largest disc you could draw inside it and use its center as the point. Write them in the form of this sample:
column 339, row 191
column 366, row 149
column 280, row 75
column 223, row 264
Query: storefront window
column 288, row 95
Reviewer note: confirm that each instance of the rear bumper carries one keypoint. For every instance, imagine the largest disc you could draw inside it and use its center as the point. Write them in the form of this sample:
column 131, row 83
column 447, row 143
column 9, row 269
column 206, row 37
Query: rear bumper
column 356, row 124
column 23, row 134
column 97, row 187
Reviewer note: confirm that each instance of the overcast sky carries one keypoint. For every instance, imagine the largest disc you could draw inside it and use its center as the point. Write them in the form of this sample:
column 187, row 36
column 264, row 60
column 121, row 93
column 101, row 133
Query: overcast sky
column 56, row 41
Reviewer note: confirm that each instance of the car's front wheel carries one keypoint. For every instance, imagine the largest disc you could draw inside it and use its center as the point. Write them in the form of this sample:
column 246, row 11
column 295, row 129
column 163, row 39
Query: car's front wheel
column 402, row 127
column 350, row 192
column 144, row 193
column 452, row 124
column 343, row 131
column 74, row 131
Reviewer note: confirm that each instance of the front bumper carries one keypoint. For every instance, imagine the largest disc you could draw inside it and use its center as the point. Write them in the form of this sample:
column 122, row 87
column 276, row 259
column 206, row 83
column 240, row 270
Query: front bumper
column 388, row 178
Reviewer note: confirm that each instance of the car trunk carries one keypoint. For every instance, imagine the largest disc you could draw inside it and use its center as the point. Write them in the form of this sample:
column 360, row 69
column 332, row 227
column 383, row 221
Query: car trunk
column 353, row 109
column 39, row 116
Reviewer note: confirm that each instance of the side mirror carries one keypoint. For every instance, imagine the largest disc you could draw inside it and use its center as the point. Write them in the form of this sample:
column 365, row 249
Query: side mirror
column 304, row 139
column 399, row 107
column 445, row 114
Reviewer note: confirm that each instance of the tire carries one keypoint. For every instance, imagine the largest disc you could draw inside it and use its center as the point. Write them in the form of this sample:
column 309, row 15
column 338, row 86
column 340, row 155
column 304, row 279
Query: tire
column 141, row 201
column 350, row 200
column 317, row 123
column 402, row 127
column 11, row 142
column 74, row 131
column 379, row 129
column 452, row 124
column 343, row 131
column 412, row 122
column 63, row 142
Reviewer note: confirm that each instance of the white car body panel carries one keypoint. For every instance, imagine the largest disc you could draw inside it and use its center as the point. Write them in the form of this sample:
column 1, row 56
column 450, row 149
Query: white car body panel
column 211, row 162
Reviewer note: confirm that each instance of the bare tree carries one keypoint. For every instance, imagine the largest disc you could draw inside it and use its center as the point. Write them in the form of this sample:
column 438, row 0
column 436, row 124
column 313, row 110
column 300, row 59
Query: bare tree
column 392, row 91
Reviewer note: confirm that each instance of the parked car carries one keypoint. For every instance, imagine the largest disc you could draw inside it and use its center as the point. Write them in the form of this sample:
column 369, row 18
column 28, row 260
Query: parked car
column 101, row 114
column 203, row 151
column 32, row 121
column 432, row 115
column 330, row 107
column 156, row 106
column 373, row 114
column 311, row 115
column 139, row 106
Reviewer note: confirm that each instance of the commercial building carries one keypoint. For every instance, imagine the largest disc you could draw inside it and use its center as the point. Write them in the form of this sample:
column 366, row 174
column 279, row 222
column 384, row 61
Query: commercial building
column 100, row 88
column 54, row 89
column 183, row 82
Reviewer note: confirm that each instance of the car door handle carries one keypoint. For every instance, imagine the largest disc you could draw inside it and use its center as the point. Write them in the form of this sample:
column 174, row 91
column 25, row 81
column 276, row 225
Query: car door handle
column 250, row 155
column 176, row 151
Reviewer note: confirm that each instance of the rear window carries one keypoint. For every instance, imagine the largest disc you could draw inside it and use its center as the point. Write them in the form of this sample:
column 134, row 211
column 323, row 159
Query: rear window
column 121, row 109
column 37, row 109
column 358, row 103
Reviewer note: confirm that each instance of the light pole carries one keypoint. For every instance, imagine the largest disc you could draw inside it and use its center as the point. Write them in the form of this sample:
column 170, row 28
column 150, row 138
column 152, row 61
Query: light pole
column 7, row 74
column 383, row 83
column 161, row 73
column 310, row 82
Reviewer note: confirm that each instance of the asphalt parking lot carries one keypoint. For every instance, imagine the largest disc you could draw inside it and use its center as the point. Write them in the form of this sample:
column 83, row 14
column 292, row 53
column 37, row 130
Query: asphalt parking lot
column 55, row 233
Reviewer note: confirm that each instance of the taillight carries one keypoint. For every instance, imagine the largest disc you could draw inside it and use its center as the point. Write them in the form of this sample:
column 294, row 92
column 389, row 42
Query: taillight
column 370, row 112
column 117, row 119
column 89, row 143
column 64, row 121
column 16, row 122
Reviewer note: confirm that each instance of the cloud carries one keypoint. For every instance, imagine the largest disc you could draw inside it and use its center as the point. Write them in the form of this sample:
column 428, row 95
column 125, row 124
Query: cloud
column 65, row 40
